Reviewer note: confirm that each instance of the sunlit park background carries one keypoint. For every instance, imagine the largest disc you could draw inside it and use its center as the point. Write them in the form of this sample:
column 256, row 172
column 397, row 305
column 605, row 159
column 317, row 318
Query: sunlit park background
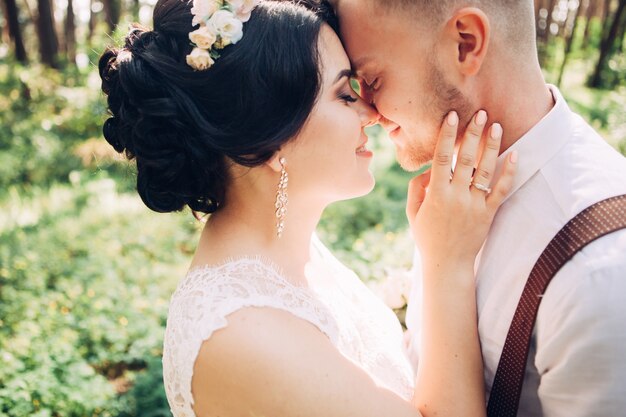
column 86, row 270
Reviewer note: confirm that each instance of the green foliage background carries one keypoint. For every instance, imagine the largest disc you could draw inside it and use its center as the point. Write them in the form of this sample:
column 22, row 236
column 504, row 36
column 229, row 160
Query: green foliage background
column 86, row 270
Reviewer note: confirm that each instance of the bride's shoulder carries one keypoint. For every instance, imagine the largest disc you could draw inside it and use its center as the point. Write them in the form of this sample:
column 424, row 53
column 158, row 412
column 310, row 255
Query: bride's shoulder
column 209, row 293
column 276, row 365
column 220, row 297
column 246, row 270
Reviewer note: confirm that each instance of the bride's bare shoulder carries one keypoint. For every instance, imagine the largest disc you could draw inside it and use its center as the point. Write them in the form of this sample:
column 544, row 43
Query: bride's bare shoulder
column 268, row 362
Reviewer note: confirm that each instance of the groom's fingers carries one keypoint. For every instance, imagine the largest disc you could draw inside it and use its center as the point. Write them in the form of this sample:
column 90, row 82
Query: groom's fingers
column 466, row 160
column 444, row 151
column 416, row 195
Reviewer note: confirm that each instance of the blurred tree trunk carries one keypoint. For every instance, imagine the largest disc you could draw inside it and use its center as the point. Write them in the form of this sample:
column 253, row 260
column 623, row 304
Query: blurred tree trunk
column 69, row 31
column 48, row 41
column 608, row 44
column 11, row 14
column 4, row 30
column 537, row 8
column 112, row 13
column 544, row 35
column 540, row 26
column 621, row 35
column 538, row 29
column 606, row 10
column 570, row 35
column 551, row 6
column 549, row 19
column 606, row 13
column 92, row 22
column 591, row 11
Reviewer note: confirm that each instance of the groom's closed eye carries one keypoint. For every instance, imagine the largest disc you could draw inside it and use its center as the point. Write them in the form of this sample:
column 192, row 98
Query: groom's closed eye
column 365, row 91
column 373, row 84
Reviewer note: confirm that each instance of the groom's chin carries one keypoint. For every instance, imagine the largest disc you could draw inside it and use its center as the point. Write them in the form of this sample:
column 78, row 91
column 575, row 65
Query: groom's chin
column 411, row 162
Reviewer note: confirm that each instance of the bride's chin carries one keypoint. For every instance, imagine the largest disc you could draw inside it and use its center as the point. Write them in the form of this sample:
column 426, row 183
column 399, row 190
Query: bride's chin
column 370, row 185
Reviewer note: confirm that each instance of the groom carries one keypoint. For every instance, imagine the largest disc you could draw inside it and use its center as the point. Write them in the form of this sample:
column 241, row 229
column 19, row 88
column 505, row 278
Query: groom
column 419, row 59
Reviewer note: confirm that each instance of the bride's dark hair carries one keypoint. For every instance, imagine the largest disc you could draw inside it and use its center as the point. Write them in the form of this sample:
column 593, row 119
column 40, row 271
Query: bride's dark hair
column 181, row 126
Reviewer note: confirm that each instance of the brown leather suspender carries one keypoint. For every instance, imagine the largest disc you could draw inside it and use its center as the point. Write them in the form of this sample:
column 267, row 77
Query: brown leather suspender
column 594, row 222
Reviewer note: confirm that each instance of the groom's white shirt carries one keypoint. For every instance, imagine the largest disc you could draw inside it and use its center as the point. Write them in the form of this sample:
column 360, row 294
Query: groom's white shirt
column 577, row 363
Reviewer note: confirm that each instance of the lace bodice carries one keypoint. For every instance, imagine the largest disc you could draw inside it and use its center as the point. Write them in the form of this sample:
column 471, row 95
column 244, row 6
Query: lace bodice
column 362, row 328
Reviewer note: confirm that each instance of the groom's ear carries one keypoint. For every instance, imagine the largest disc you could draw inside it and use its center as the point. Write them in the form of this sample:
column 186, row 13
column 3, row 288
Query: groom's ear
column 470, row 29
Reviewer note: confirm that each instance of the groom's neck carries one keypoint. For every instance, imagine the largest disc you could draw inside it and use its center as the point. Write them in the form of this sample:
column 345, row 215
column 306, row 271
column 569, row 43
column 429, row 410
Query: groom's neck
column 518, row 103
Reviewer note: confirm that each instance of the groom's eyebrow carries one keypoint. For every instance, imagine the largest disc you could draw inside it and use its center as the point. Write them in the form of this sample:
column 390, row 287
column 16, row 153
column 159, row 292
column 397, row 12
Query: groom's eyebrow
column 343, row 73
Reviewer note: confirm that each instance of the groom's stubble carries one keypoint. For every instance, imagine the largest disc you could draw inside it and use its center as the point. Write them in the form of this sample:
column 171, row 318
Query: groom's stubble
column 441, row 98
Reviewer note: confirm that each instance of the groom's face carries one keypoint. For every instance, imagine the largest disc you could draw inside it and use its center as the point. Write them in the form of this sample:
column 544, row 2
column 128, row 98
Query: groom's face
column 399, row 65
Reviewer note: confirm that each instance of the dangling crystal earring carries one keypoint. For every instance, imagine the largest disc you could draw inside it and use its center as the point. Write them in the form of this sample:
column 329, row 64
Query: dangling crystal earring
column 281, row 199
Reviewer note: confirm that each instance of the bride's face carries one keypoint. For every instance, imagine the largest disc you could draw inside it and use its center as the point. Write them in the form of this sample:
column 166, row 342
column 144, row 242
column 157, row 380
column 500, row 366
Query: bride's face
column 328, row 160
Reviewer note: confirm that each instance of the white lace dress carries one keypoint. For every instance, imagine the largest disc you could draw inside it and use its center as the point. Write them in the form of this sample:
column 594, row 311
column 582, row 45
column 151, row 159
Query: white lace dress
column 361, row 326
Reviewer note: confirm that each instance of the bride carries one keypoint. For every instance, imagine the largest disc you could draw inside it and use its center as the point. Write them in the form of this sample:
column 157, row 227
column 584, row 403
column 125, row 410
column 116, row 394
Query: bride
column 245, row 112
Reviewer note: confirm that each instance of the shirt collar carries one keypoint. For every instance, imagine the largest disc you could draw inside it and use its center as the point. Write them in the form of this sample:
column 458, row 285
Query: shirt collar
column 540, row 143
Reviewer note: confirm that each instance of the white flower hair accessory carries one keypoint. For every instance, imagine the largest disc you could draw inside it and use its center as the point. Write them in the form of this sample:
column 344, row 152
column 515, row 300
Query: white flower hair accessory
column 221, row 24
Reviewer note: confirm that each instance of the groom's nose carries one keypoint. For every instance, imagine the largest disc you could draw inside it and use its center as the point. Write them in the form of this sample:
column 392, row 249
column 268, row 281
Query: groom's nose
column 387, row 124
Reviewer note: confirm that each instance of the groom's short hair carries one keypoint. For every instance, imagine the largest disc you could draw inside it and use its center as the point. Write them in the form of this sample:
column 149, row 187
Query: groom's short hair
column 513, row 18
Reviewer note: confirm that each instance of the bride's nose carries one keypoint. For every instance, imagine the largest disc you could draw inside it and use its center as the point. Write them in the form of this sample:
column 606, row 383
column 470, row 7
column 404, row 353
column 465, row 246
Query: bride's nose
column 368, row 113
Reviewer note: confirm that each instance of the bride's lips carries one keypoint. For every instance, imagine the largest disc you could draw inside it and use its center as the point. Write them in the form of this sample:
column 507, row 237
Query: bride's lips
column 363, row 151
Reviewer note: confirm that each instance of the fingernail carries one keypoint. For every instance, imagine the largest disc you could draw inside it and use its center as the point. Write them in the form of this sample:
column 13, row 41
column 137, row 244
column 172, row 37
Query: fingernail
column 481, row 118
column 496, row 131
column 453, row 118
column 513, row 157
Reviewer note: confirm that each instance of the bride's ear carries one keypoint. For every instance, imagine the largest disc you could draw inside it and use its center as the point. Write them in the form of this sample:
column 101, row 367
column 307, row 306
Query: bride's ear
column 274, row 162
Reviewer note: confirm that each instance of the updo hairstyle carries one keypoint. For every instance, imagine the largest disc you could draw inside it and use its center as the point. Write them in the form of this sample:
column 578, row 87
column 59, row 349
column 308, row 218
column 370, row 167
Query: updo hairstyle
column 183, row 126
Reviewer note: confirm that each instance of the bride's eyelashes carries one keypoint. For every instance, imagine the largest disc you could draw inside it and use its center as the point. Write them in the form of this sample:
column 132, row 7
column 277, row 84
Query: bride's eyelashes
column 346, row 94
column 347, row 98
